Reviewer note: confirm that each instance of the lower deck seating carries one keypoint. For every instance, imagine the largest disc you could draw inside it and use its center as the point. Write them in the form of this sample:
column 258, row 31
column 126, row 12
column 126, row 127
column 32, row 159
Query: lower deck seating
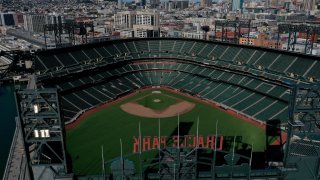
column 243, row 100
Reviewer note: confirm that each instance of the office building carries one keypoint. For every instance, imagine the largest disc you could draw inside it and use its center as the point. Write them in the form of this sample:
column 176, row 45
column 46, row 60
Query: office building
column 8, row 19
column 35, row 22
column 206, row 3
column 126, row 19
column 309, row 5
column 119, row 4
column 142, row 23
column 237, row 5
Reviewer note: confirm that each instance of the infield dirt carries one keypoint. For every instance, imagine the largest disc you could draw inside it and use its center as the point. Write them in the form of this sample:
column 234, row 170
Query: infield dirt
column 171, row 111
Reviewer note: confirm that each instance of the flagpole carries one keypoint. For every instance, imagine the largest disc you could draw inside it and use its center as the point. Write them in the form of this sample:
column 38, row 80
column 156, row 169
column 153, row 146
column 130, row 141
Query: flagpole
column 140, row 166
column 196, row 149
column 103, row 169
column 178, row 149
column 178, row 132
column 159, row 148
column 198, row 133
column 234, row 146
column 174, row 171
column 215, row 152
column 122, row 164
column 139, row 138
column 159, row 130
column 250, row 162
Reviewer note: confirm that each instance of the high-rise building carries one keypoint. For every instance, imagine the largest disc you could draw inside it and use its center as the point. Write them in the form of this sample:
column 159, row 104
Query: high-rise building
column 119, row 4
column 126, row 19
column 275, row 2
column 20, row 18
column 153, row 3
column 54, row 19
column 140, row 2
column 272, row 3
column 286, row 4
column 177, row 4
column 36, row 22
column 237, row 5
column 8, row 19
column 309, row 5
column 142, row 23
column 206, row 3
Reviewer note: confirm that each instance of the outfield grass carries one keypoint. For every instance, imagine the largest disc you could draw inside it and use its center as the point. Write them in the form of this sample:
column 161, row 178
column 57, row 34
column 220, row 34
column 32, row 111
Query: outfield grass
column 107, row 126
column 164, row 101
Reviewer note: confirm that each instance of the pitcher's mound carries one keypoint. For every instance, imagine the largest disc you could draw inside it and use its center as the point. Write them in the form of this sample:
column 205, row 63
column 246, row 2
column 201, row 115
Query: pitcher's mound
column 171, row 111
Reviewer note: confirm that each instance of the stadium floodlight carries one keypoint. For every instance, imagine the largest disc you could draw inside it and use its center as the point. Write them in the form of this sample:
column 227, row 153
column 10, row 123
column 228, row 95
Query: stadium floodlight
column 310, row 79
column 36, row 133
column 36, row 108
column 46, row 133
column 292, row 75
column 42, row 133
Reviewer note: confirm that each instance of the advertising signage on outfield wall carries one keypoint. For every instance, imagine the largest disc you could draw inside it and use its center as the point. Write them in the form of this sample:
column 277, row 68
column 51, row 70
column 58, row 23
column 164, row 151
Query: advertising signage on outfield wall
column 154, row 142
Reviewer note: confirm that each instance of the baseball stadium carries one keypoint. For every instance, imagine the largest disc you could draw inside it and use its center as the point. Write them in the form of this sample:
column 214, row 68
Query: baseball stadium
column 169, row 108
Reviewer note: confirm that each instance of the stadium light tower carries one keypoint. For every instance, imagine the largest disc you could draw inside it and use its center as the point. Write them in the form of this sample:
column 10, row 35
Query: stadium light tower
column 309, row 33
column 43, row 133
column 236, row 26
column 301, row 150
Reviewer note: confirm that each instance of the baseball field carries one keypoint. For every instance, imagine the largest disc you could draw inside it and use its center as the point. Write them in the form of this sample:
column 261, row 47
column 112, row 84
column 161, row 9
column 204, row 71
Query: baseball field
column 106, row 125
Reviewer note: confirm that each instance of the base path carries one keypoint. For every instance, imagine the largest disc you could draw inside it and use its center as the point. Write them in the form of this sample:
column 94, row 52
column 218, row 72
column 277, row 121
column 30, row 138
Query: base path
column 171, row 111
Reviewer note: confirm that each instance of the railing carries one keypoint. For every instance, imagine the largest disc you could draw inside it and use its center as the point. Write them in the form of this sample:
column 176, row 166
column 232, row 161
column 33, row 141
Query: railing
column 75, row 117
column 13, row 144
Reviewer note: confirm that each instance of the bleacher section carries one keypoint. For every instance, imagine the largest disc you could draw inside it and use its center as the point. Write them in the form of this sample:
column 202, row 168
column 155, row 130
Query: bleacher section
column 252, row 81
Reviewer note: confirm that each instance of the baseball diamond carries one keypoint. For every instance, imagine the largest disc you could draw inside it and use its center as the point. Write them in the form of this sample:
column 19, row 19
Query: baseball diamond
column 85, row 139
column 157, row 106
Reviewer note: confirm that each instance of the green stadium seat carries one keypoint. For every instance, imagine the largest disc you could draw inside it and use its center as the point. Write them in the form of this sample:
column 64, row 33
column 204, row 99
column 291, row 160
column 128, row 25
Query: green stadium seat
column 300, row 66
column 122, row 48
column 154, row 46
column 66, row 59
column 166, row 45
column 50, row 62
column 230, row 54
column 314, row 70
column 282, row 63
column 259, row 105
column 218, row 51
column 92, row 54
